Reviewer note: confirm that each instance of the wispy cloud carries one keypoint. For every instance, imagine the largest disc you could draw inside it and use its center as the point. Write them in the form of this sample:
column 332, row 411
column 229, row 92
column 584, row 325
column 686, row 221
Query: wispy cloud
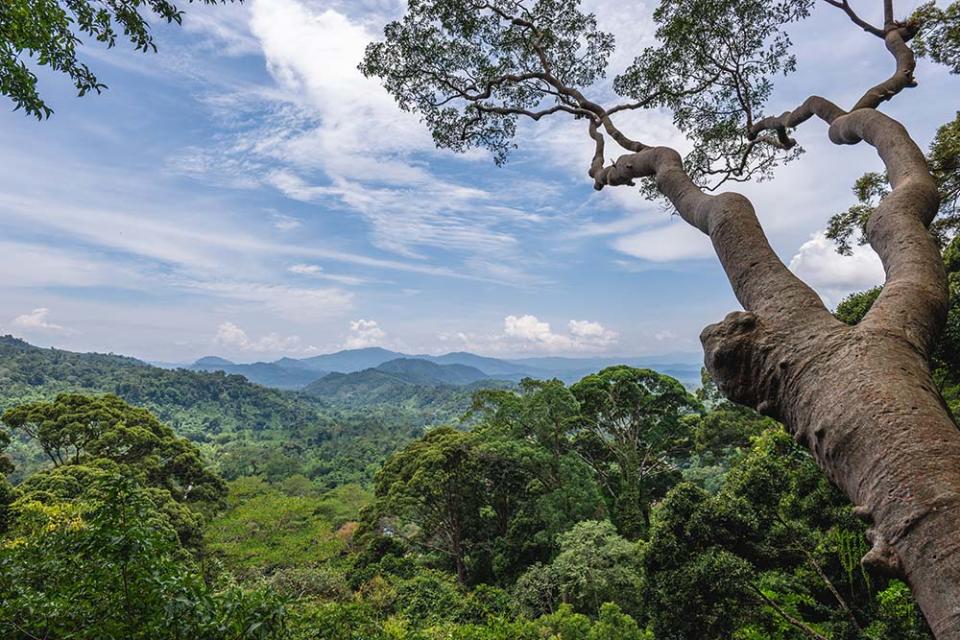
column 37, row 320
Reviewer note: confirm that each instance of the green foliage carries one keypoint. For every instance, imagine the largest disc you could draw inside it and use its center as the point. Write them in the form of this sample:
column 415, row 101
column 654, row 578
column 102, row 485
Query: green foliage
column 595, row 565
column 939, row 34
column 716, row 85
column 241, row 428
column 89, row 438
column 263, row 530
column 108, row 565
column 48, row 32
column 633, row 433
column 77, row 429
column 471, row 68
column 854, row 307
column 497, row 533
column 898, row 616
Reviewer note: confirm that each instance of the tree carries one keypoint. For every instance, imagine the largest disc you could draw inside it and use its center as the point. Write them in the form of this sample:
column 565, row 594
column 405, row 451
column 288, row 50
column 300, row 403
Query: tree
column 107, row 564
column 861, row 398
column 77, row 428
column 48, row 32
column 87, row 436
column 634, row 429
column 430, row 494
column 595, row 566
column 772, row 555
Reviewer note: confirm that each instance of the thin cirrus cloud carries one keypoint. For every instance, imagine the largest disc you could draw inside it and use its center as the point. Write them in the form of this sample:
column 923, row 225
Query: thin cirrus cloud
column 341, row 142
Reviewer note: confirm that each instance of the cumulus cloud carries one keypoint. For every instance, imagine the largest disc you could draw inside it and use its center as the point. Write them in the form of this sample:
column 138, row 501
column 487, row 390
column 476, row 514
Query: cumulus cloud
column 364, row 333
column 529, row 332
column 832, row 275
column 232, row 336
column 37, row 320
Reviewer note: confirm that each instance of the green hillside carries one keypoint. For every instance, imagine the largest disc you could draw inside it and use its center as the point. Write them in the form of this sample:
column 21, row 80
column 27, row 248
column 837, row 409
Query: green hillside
column 241, row 427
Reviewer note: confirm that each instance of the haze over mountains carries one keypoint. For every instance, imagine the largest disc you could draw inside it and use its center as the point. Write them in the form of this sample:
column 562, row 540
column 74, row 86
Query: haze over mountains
column 457, row 369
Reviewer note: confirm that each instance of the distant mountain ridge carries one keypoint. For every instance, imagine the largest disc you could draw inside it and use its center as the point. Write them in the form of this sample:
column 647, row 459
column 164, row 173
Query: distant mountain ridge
column 406, row 383
column 291, row 373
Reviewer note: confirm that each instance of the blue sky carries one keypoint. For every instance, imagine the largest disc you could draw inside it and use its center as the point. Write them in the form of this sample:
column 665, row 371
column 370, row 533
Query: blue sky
column 246, row 192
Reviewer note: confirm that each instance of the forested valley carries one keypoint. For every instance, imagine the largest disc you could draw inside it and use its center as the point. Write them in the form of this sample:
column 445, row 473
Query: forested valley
column 152, row 503
column 804, row 486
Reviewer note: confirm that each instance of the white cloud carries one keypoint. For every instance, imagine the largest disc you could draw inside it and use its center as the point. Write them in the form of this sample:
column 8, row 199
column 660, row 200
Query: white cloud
column 230, row 335
column 673, row 241
column 834, row 276
column 284, row 222
column 364, row 333
column 37, row 320
column 316, row 271
column 593, row 332
column 294, row 303
column 306, row 269
column 529, row 332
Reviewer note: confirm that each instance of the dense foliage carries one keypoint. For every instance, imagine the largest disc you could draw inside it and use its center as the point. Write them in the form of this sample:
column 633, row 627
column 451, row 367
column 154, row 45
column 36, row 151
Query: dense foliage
column 620, row 507
column 48, row 32
column 241, row 428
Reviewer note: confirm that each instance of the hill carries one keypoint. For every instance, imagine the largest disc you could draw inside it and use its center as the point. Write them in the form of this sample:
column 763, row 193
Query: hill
column 425, row 372
column 240, row 426
column 350, row 360
column 406, row 384
column 268, row 374
column 290, row 373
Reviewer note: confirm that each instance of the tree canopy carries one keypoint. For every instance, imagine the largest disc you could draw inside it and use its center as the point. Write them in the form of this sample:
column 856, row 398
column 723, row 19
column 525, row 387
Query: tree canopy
column 48, row 33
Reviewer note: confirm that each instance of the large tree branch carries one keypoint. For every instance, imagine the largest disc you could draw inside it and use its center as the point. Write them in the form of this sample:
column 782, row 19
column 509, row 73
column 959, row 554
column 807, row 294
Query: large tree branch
column 901, row 79
column 729, row 219
column 914, row 297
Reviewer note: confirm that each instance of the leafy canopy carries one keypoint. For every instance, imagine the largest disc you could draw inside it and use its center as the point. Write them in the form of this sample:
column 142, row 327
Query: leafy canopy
column 47, row 33
column 472, row 69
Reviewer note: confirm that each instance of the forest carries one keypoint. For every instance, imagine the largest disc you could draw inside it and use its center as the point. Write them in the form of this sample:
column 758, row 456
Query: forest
column 623, row 506
column 807, row 488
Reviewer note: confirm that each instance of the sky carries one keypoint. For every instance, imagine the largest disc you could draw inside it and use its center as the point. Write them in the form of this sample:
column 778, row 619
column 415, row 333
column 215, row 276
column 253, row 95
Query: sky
column 246, row 192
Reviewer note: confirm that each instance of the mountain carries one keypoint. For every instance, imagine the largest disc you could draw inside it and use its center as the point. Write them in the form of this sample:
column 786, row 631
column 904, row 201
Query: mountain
column 489, row 366
column 420, row 371
column 269, row 374
column 242, row 428
column 291, row 373
column 212, row 361
column 435, row 392
column 350, row 360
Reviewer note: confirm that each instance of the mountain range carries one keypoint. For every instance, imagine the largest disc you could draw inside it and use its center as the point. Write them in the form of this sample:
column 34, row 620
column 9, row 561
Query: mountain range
column 457, row 368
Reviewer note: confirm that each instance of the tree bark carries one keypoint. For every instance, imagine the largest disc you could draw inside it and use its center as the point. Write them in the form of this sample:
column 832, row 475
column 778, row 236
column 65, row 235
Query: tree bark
column 862, row 398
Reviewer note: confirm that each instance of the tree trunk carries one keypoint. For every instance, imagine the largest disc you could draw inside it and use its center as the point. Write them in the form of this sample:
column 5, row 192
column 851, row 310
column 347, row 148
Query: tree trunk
column 861, row 398
column 864, row 403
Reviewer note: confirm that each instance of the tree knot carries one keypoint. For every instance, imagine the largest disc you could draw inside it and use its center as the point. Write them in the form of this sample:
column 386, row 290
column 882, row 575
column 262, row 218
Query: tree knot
column 882, row 559
column 735, row 354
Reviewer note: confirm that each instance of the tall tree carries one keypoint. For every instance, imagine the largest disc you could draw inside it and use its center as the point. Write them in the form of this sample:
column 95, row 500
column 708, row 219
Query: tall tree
column 861, row 398
column 47, row 33
column 634, row 419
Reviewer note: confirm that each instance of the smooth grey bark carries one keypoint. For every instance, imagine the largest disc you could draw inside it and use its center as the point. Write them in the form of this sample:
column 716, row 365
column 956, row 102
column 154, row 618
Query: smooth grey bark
column 862, row 398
